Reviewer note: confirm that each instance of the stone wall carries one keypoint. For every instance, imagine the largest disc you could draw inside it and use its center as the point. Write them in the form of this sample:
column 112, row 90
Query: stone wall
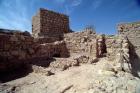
column 49, row 24
column 117, row 47
column 36, row 25
column 56, row 49
column 132, row 31
column 126, row 28
column 15, row 48
column 81, row 43
column 112, row 47
column 18, row 49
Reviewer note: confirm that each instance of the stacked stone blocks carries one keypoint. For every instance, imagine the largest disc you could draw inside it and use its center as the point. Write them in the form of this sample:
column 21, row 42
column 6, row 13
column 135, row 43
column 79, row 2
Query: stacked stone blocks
column 50, row 24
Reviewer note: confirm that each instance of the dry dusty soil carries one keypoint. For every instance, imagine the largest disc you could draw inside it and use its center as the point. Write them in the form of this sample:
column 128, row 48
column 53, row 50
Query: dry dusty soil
column 86, row 78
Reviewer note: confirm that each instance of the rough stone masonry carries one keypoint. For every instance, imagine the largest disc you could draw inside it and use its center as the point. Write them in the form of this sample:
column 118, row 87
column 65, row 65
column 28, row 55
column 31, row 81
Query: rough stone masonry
column 50, row 25
column 51, row 37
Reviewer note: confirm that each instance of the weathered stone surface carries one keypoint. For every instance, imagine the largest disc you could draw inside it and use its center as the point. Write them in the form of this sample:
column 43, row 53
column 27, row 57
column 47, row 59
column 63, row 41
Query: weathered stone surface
column 132, row 31
column 56, row 49
column 41, row 70
column 64, row 64
column 14, row 48
column 82, row 59
column 50, row 24
column 51, row 40
column 81, row 42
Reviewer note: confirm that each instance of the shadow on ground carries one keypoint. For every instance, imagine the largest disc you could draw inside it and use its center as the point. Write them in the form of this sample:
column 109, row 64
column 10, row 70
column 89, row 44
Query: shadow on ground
column 43, row 62
column 16, row 73
column 134, row 61
column 24, row 69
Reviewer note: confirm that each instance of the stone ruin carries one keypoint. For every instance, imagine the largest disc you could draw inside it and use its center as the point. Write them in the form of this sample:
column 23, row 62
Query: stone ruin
column 52, row 37
column 50, row 25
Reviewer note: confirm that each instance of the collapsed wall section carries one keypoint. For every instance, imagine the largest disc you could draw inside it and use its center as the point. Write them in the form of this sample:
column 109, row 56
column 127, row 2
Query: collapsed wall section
column 81, row 43
column 112, row 47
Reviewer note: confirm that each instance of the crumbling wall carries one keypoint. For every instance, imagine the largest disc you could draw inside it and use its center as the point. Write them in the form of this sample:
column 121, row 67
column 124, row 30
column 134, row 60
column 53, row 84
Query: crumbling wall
column 15, row 48
column 117, row 46
column 81, row 43
column 132, row 31
column 112, row 47
column 56, row 49
column 19, row 48
column 50, row 24
column 118, row 52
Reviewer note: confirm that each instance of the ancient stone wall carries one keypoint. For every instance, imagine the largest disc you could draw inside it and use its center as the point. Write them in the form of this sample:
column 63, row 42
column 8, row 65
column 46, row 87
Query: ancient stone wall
column 128, row 28
column 50, row 24
column 18, row 48
column 117, row 47
column 112, row 47
column 14, row 49
column 132, row 31
column 81, row 43
column 36, row 25
column 56, row 49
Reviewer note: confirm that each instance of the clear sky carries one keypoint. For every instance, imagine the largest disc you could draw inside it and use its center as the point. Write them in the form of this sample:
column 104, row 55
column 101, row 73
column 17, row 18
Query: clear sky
column 103, row 14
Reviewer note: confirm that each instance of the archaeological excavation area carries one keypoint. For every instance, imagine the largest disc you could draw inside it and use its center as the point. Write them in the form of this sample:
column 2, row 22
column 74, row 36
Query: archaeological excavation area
column 55, row 59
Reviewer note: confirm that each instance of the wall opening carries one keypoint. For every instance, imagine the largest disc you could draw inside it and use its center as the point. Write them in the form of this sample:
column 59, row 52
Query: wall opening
column 104, row 50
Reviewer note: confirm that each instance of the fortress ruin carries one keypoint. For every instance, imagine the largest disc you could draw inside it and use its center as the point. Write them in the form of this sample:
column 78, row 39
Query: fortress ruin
column 52, row 37
column 50, row 25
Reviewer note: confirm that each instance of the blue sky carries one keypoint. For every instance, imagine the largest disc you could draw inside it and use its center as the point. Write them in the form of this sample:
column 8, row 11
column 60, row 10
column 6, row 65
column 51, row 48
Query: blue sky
column 103, row 14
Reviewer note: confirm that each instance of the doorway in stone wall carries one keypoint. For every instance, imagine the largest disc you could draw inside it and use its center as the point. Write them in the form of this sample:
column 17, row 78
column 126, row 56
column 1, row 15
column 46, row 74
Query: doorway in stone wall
column 104, row 48
column 101, row 47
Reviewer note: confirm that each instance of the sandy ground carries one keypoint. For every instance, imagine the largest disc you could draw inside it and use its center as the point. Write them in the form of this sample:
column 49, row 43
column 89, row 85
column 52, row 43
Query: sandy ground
column 87, row 78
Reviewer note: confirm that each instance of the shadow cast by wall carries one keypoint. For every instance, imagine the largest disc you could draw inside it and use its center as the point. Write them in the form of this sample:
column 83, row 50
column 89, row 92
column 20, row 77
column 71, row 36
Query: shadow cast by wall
column 15, row 68
column 134, row 61
column 14, row 73
column 41, row 61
